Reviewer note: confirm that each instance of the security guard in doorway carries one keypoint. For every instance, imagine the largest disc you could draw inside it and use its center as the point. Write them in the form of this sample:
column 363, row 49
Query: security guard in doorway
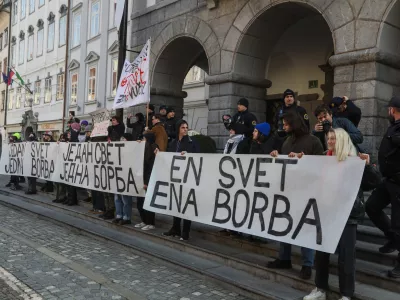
column 243, row 116
column 388, row 192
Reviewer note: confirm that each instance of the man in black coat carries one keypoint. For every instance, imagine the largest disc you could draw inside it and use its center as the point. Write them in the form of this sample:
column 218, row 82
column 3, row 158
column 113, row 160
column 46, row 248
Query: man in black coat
column 289, row 104
column 116, row 130
column 342, row 107
column 389, row 190
column 170, row 124
column 243, row 116
column 182, row 144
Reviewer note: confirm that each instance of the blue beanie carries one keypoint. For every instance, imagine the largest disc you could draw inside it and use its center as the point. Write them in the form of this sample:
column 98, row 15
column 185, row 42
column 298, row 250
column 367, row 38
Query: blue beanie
column 264, row 128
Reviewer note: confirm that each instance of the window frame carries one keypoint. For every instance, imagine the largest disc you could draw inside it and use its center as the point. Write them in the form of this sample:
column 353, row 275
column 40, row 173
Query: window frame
column 60, row 87
column 1, row 41
column 43, row 3
column 60, row 42
column 23, row 9
column 6, row 37
column 76, row 39
column 47, row 90
column 21, row 51
column 30, row 6
column 40, row 33
column 37, row 92
column 13, row 54
column 10, row 99
column 92, row 4
column 90, row 81
column 15, row 12
column 18, row 99
column 74, row 88
column 114, row 73
column 53, row 25
column 31, row 39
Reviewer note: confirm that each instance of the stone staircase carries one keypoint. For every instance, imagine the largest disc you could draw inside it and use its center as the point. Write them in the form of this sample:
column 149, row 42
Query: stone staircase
column 243, row 260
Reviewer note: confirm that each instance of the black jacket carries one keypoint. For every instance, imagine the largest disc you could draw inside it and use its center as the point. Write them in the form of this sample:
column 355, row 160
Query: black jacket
column 352, row 112
column 264, row 148
column 308, row 144
column 170, row 128
column 116, row 132
column 137, row 128
column 247, row 119
column 285, row 109
column 185, row 144
column 389, row 153
column 149, row 158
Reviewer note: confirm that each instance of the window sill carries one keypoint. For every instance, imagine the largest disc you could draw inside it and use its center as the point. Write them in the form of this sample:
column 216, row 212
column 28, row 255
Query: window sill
column 75, row 47
column 59, row 46
column 48, row 51
column 73, row 105
column 94, row 38
column 39, row 55
column 111, row 98
column 91, row 102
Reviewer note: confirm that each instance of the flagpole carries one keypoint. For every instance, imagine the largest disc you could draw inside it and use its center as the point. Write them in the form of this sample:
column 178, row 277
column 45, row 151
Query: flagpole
column 122, row 37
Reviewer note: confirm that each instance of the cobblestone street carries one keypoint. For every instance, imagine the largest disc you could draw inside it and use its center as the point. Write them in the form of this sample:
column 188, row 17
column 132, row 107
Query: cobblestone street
column 42, row 260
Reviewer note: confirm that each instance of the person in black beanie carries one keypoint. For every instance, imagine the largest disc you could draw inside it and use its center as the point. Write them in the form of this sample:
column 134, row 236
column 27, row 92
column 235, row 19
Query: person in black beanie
column 243, row 116
column 170, row 124
column 289, row 103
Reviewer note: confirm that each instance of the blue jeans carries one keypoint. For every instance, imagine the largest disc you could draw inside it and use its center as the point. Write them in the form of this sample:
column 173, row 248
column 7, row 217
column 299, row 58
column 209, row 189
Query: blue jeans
column 307, row 255
column 123, row 206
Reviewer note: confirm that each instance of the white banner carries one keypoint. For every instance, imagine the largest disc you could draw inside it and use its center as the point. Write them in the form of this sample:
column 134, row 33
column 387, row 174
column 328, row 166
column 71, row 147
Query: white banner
column 134, row 84
column 303, row 202
column 106, row 167
column 101, row 121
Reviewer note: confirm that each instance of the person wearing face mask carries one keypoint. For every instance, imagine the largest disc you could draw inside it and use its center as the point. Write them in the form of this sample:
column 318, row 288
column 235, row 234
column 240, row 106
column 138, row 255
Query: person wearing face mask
column 388, row 192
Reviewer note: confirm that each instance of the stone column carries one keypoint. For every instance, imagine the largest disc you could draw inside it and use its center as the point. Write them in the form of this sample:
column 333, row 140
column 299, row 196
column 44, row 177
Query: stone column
column 370, row 78
column 225, row 91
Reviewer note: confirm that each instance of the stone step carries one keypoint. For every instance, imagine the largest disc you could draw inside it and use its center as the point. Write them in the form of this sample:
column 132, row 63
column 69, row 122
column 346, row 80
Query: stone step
column 240, row 253
column 371, row 235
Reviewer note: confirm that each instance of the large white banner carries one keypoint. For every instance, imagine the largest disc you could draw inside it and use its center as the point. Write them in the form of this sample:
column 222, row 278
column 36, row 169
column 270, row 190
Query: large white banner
column 109, row 167
column 304, row 202
column 134, row 84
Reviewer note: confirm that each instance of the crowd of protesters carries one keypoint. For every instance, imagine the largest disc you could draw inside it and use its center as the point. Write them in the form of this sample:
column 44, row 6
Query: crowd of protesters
column 335, row 134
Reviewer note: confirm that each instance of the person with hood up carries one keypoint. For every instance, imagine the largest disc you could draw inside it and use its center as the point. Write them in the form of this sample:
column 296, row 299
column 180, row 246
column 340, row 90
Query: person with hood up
column 299, row 141
column 243, row 116
column 31, row 180
column 182, row 144
column 116, row 130
column 82, row 134
column 238, row 143
column 147, row 217
column 137, row 127
column 263, row 142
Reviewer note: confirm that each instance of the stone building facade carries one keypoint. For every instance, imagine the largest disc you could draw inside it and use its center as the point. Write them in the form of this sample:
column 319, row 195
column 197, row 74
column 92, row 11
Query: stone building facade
column 257, row 48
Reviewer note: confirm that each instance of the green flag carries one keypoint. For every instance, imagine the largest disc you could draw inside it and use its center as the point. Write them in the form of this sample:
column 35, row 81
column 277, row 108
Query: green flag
column 20, row 78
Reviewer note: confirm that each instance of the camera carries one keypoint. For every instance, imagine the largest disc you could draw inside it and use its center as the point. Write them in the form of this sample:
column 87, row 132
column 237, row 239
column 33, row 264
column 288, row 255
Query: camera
column 281, row 132
column 326, row 126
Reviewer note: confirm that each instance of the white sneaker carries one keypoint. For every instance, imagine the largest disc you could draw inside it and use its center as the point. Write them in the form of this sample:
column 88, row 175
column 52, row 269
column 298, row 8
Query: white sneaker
column 316, row 295
column 148, row 227
column 345, row 298
column 140, row 225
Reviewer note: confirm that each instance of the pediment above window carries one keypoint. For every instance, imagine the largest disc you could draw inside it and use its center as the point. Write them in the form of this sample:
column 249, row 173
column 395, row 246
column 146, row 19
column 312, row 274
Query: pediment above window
column 74, row 64
column 114, row 47
column 92, row 56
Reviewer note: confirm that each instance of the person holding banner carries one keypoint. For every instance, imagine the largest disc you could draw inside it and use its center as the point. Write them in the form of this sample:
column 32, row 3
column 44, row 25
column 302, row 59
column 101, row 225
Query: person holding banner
column 340, row 145
column 148, row 217
column 116, row 130
column 137, row 127
column 61, row 189
column 14, row 179
column 263, row 142
column 299, row 141
column 149, row 116
column 182, row 144
column 48, row 138
column 31, row 180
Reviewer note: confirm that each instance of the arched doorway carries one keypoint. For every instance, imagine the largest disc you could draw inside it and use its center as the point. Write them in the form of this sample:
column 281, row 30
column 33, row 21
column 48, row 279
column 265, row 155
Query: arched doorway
column 181, row 56
column 290, row 45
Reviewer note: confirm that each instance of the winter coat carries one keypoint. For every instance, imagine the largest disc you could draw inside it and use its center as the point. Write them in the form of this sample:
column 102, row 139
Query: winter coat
column 149, row 158
column 264, row 148
column 186, row 144
column 237, row 144
column 161, row 136
column 116, row 132
column 170, row 128
column 137, row 127
column 247, row 119
column 308, row 144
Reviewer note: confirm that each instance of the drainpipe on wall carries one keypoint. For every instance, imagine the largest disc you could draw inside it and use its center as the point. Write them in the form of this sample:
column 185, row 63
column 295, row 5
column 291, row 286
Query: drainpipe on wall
column 9, row 64
column 66, row 66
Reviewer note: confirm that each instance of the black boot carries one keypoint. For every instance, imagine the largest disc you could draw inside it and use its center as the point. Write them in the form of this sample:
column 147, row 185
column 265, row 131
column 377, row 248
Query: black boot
column 395, row 273
column 9, row 184
column 22, row 179
column 61, row 200
column 16, row 187
column 280, row 264
column 30, row 192
column 389, row 247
